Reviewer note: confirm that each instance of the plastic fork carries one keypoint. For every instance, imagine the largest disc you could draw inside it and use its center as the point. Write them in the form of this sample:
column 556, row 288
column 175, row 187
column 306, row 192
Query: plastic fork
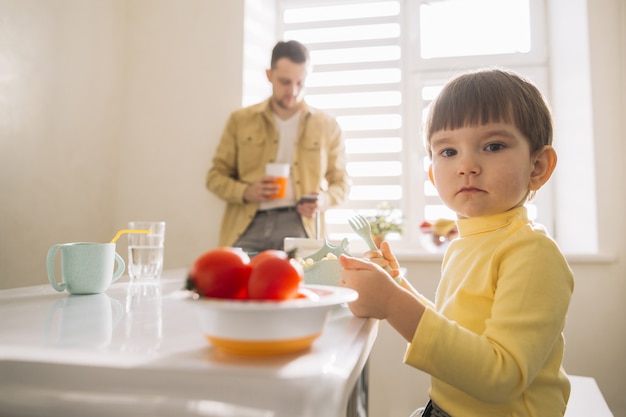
column 362, row 227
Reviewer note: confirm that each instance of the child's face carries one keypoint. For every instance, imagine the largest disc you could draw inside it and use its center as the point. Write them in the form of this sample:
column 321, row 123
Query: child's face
column 481, row 170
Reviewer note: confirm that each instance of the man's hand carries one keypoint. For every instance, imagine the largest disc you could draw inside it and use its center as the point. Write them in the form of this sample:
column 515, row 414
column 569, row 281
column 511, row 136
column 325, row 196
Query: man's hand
column 262, row 190
column 308, row 205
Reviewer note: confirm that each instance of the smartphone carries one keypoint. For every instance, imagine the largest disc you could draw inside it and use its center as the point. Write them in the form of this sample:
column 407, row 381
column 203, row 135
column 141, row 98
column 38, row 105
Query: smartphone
column 308, row 198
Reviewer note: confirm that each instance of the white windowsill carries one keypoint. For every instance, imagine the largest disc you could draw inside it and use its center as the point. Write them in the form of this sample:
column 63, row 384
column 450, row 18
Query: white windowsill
column 572, row 259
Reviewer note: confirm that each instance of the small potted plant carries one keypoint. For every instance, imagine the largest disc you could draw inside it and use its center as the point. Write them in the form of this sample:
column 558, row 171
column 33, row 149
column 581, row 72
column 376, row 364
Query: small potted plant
column 385, row 220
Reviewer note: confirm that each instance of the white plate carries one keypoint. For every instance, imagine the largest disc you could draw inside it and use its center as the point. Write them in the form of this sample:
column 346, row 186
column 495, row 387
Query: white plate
column 328, row 295
column 256, row 328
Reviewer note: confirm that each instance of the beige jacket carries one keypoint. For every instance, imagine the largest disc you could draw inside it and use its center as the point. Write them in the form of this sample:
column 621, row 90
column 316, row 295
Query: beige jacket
column 250, row 141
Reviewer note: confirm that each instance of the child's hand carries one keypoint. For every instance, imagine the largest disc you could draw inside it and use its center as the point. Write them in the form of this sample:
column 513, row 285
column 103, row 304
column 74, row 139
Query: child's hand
column 385, row 259
column 374, row 285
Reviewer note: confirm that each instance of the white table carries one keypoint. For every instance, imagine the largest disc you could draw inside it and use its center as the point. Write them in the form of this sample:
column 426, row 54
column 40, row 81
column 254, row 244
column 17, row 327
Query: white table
column 137, row 350
column 585, row 399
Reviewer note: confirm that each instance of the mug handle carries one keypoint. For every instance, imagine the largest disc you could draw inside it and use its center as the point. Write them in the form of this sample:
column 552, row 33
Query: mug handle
column 120, row 267
column 50, row 267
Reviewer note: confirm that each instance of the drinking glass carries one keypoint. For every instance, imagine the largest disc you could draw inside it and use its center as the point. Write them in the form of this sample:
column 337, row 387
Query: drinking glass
column 145, row 250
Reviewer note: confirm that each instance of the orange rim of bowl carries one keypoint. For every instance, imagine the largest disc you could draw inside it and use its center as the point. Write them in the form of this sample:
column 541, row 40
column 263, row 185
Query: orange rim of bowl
column 262, row 347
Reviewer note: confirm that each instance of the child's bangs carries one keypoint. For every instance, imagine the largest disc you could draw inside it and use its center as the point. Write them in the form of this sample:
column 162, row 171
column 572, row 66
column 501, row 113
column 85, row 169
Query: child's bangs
column 492, row 96
column 469, row 106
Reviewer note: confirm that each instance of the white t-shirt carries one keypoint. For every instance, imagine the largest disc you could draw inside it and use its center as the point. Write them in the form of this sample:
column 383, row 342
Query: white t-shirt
column 287, row 135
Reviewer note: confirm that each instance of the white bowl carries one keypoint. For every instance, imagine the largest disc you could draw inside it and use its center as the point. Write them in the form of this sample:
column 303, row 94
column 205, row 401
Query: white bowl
column 258, row 328
column 324, row 272
column 301, row 246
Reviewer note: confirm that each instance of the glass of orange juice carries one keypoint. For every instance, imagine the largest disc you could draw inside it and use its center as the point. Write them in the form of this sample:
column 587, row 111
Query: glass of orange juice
column 280, row 172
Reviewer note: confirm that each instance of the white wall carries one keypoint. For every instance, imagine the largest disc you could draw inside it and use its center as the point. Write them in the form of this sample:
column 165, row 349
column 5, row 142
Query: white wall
column 87, row 86
column 183, row 64
column 110, row 112
column 60, row 93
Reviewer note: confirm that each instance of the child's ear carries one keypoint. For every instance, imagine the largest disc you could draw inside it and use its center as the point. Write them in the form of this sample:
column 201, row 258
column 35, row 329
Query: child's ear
column 544, row 163
column 430, row 174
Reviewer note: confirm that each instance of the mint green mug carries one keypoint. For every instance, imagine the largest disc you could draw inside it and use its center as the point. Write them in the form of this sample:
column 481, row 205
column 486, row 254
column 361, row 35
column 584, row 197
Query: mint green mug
column 86, row 267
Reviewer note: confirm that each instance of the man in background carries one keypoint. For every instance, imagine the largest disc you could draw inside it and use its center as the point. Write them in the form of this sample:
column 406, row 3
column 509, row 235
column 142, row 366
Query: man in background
column 281, row 129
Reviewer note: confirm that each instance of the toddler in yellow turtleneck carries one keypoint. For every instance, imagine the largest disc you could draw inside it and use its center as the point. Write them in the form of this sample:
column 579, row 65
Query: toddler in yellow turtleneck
column 492, row 338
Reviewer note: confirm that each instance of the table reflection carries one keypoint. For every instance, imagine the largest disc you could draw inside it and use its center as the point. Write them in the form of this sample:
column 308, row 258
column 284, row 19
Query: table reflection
column 82, row 321
column 143, row 319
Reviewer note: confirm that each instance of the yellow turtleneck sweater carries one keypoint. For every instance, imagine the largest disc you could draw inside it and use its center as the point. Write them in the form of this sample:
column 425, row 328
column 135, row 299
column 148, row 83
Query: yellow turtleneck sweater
column 493, row 341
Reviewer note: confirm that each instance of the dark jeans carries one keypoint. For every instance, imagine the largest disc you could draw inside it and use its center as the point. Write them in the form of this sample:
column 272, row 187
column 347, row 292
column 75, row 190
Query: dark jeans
column 269, row 229
column 432, row 410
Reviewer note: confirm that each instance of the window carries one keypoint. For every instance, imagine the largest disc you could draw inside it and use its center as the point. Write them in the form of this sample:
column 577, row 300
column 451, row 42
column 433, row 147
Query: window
column 356, row 51
column 377, row 66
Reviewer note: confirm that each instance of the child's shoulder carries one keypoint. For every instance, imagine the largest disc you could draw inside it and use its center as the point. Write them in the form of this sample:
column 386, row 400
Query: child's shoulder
column 534, row 237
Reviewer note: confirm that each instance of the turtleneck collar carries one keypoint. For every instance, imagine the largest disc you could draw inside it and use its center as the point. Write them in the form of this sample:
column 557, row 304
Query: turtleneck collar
column 475, row 225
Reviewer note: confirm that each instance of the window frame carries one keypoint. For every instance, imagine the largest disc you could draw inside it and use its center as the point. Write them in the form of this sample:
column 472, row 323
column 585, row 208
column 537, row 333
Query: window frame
column 417, row 72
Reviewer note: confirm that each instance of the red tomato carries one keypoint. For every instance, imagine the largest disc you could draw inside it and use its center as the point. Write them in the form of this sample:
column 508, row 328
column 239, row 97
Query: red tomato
column 269, row 253
column 221, row 273
column 274, row 278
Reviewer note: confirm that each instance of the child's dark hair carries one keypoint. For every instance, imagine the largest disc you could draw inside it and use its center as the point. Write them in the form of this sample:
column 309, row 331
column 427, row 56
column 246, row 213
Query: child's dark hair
column 491, row 95
column 293, row 50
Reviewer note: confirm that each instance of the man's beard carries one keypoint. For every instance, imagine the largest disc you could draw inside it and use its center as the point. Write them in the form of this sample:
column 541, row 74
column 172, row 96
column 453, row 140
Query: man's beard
column 281, row 103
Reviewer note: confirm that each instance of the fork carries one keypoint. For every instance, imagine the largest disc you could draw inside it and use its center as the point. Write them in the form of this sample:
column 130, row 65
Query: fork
column 362, row 228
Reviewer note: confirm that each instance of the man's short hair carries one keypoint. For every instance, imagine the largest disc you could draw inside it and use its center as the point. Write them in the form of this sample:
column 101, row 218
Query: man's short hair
column 292, row 50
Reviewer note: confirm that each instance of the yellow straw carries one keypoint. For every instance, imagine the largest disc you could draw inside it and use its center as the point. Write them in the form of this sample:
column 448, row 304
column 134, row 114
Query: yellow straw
column 121, row 232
